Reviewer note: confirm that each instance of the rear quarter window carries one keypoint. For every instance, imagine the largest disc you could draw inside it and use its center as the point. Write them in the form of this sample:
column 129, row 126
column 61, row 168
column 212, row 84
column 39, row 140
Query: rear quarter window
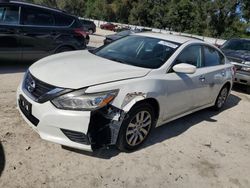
column 213, row 57
column 63, row 20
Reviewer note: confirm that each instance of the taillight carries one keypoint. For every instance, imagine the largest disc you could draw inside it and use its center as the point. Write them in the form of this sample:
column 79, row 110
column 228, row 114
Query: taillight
column 80, row 32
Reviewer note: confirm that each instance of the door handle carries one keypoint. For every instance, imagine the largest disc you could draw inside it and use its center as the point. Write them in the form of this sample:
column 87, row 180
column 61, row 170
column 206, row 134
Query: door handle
column 202, row 78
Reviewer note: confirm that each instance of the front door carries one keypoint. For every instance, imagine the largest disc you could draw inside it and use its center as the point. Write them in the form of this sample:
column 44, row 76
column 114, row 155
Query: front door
column 9, row 33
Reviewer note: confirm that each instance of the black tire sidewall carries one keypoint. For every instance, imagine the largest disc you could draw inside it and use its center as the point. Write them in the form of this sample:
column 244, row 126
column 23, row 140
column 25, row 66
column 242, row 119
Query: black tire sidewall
column 121, row 141
column 216, row 107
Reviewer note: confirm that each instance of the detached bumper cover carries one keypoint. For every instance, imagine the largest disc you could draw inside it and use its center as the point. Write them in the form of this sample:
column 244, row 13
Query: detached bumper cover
column 83, row 130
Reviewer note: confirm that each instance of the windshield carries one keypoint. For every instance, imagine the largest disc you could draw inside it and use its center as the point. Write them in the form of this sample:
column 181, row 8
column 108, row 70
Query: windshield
column 139, row 51
column 237, row 45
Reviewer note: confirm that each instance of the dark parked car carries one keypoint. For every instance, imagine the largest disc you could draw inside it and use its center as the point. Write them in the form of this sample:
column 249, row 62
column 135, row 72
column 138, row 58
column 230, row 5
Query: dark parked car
column 108, row 26
column 238, row 52
column 89, row 26
column 111, row 38
column 29, row 32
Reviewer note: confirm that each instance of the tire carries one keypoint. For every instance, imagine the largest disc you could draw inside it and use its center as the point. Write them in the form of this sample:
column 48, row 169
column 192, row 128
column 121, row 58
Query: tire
column 134, row 132
column 248, row 89
column 87, row 40
column 221, row 98
column 64, row 49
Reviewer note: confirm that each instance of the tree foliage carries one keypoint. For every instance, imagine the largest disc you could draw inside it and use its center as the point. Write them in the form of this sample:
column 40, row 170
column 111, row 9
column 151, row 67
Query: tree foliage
column 217, row 18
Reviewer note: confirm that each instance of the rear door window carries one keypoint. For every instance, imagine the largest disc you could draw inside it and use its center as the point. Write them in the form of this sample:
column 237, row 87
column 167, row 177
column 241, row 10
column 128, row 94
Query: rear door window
column 37, row 17
column 213, row 57
column 63, row 20
column 9, row 15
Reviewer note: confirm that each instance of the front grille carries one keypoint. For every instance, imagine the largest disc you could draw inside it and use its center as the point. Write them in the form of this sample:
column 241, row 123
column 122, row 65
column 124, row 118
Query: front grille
column 40, row 91
column 35, row 87
column 76, row 136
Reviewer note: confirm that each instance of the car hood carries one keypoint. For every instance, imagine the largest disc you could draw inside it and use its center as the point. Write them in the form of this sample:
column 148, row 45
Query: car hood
column 80, row 69
column 240, row 54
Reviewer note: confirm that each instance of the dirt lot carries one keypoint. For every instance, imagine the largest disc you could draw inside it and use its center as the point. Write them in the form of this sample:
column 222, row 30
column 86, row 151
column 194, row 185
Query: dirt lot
column 205, row 149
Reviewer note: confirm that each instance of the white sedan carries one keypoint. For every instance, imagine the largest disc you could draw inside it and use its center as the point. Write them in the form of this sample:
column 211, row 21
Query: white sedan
column 116, row 94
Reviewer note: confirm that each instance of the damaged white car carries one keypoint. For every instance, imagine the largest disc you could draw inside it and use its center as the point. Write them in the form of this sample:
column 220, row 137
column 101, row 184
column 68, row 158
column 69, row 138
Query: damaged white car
column 116, row 94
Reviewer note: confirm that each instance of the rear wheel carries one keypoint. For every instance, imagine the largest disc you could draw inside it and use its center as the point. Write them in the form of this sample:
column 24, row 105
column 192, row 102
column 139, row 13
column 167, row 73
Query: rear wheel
column 64, row 49
column 91, row 31
column 136, row 127
column 248, row 89
column 221, row 99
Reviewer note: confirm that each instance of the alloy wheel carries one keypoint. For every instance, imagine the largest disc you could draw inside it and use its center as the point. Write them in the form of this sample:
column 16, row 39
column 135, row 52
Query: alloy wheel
column 138, row 128
column 222, row 97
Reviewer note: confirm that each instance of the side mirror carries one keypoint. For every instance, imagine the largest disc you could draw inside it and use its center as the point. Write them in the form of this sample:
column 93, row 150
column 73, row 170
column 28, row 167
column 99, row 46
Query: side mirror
column 185, row 68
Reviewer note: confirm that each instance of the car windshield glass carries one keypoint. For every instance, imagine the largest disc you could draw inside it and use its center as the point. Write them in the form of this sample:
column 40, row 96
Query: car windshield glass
column 237, row 45
column 139, row 51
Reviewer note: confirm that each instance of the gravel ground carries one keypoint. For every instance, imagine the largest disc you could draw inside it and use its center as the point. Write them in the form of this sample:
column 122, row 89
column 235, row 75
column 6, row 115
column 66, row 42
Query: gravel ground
column 205, row 149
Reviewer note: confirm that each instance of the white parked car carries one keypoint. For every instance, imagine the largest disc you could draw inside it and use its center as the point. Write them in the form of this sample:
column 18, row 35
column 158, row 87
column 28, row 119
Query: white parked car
column 116, row 94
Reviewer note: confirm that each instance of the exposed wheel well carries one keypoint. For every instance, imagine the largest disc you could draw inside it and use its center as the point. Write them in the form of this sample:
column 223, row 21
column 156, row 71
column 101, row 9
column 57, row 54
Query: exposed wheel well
column 154, row 103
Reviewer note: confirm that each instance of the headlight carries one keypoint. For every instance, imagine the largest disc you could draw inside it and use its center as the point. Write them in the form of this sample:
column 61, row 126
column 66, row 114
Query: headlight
column 79, row 100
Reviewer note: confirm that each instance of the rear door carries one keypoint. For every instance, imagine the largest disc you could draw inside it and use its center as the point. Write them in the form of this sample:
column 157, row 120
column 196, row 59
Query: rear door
column 9, row 33
column 214, row 72
column 38, row 33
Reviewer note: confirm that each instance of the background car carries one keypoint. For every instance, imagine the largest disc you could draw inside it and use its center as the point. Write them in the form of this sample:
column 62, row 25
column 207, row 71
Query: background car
column 88, row 26
column 238, row 52
column 122, row 28
column 108, row 26
column 111, row 38
column 29, row 32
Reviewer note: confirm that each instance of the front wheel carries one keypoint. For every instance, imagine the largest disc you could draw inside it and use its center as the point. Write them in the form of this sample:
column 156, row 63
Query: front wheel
column 221, row 99
column 136, row 127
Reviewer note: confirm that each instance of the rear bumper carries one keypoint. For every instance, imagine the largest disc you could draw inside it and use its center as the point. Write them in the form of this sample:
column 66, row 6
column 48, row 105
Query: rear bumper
column 242, row 78
column 67, row 128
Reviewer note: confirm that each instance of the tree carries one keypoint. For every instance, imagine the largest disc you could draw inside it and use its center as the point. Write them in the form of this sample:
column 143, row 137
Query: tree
column 140, row 13
column 76, row 7
column 223, row 14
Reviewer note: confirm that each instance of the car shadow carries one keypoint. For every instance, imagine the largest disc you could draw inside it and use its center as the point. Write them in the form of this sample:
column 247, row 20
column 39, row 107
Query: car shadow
column 2, row 159
column 167, row 131
column 10, row 67
column 179, row 126
column 241, row 88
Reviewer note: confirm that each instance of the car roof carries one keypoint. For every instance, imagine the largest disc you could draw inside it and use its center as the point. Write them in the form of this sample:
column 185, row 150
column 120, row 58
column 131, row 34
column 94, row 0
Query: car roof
column 240, row 39
column 169, row 37
column 38, row 6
